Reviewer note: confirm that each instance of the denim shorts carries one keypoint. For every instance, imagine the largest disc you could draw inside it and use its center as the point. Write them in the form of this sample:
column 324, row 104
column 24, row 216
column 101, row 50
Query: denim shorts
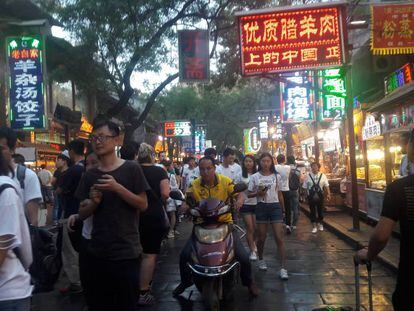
column 269, row 213
column 248, row 209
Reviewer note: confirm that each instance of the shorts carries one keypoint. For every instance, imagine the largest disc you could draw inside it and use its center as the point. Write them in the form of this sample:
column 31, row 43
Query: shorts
column 151, row 236
column 247, row 209
column 269, row 213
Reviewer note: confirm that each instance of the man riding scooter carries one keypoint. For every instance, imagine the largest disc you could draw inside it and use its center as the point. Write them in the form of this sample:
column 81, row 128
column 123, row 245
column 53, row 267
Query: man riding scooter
column 212, row 185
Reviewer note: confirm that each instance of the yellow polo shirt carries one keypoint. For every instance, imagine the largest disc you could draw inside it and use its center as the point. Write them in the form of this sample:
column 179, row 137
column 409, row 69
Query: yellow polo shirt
column 222, row 189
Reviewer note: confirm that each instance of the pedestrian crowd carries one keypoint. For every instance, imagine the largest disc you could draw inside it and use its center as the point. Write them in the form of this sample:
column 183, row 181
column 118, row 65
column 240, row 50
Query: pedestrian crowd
column 112, row 213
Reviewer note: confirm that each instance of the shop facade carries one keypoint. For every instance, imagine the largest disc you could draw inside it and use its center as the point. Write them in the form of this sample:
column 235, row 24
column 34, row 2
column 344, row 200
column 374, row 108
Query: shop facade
column 381, row 132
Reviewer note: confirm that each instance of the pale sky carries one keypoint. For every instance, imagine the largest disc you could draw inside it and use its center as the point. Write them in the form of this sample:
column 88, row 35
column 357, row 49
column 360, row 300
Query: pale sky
column 143, row 81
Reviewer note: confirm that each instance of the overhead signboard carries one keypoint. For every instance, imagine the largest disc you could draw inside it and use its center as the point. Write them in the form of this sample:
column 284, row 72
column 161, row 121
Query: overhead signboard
column 26, row 87
column 252, row 143
column 291, row 39
column 392, row 30
column 194, row 55
column 398, row 78
column 333, row 99
column 178, row 128
column 297, row 99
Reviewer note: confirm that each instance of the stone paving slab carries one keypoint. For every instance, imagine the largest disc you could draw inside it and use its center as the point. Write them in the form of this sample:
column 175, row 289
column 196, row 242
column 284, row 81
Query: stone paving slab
column 340, row 223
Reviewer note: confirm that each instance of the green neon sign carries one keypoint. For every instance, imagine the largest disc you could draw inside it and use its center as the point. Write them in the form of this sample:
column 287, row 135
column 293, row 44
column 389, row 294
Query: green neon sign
column 333, row 97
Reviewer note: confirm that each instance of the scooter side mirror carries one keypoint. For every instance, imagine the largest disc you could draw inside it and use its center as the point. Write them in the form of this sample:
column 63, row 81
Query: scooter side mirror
column 177, row 195
column 240, row 187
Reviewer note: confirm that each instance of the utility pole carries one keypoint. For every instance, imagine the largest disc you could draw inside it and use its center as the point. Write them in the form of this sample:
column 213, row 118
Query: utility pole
column 352, row 155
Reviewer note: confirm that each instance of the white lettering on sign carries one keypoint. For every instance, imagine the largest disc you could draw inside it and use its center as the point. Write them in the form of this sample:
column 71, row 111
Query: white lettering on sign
column 372, row 128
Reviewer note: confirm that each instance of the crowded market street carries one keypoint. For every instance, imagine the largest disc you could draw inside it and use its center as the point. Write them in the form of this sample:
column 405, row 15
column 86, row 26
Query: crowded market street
column 321, row 273
column 236, row 155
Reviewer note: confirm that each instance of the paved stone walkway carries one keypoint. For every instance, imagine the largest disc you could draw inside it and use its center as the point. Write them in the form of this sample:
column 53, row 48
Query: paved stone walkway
column 320, row 268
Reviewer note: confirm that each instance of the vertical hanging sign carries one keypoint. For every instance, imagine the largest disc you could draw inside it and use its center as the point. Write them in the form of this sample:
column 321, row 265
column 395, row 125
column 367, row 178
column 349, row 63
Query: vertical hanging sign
column 26, row 87
column 194, row 55
column 334, row 95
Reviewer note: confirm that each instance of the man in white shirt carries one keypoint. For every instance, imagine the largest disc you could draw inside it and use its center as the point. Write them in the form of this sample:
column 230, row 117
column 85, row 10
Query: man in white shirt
column 26, row 178
column 229, row 168
column 190, row 173
column 45, row 176
column 284, row 172
column 317, row 186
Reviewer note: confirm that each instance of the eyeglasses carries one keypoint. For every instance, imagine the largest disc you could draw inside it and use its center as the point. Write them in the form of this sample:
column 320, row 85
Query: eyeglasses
column 101, row 139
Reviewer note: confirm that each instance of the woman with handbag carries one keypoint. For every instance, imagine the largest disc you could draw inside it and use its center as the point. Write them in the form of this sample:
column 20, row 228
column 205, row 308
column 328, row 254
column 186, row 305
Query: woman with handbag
column 154, row 224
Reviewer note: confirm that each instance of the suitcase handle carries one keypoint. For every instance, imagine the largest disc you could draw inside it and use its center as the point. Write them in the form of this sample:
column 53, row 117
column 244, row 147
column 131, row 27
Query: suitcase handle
column 357, row 284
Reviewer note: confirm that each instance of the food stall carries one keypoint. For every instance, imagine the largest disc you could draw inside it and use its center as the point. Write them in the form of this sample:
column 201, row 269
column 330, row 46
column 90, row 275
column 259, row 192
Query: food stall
column 386, row 125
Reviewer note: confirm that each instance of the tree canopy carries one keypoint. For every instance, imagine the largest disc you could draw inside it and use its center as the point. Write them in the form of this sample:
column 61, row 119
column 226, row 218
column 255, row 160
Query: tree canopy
column 134, row 36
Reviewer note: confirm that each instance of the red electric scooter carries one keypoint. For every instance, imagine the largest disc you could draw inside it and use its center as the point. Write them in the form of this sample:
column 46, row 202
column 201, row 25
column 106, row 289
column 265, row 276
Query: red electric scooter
column 214, row 267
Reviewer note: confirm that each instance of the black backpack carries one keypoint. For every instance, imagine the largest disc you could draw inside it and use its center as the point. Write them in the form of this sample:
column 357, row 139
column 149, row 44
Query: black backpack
column 47, row 259
column 315, row 192
column 294, row 180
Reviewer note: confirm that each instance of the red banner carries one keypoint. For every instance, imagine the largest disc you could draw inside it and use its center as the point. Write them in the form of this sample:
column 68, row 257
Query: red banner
column 286, row 40
column 392, row 29
column 194, row 58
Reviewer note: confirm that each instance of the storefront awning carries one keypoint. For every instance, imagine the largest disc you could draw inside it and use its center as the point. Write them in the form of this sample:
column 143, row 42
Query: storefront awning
column 401, row 96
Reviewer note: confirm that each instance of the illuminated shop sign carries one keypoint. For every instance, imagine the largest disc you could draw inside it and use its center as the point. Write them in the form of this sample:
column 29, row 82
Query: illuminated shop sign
column 290, row 40
column 333, row 104
column 392, row 29
column 252, row 143
column 297, row 99
column 371, row 128
column 398, row 78
column 177, row 128
column 26, row 87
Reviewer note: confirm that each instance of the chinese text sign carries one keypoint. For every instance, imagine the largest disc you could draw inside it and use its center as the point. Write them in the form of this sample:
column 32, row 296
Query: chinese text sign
column 26, row 92
column 398, row 78
column 334, row 96
column 178, row 128
column 392, row 29
column 194, row 55
column 297, row 100
column 291, row 40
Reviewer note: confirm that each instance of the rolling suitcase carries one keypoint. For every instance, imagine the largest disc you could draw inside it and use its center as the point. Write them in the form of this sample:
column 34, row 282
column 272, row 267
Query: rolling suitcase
column 357, row 286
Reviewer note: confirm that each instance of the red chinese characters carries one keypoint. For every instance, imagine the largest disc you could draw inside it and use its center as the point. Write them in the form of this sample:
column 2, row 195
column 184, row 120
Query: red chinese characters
column 288, row 40
column 392, row 29
column 24, row 53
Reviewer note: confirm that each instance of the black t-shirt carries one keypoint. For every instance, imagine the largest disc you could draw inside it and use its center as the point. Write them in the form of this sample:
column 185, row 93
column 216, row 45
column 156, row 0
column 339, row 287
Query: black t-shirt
column 58, row 175
column 69, row 183
column 398, row 205
column 154, row 174
column 115, row 234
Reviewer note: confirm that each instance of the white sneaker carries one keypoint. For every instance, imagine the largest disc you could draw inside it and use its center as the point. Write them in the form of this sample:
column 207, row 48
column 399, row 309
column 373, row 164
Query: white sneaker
column 315, row 229
column 170, row 235
column 284, row 274
column 253, row 256
column 320, row 227
column 293, row 227
column 176, row 232
column 288, row 230
column 262, row 265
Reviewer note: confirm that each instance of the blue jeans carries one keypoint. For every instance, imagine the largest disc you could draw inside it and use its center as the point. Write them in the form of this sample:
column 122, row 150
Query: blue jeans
column 294, row 205
column 15, row 305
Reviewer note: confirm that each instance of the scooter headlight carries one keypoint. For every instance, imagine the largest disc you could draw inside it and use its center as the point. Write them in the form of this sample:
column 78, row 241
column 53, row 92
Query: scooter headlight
column 211, row 236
